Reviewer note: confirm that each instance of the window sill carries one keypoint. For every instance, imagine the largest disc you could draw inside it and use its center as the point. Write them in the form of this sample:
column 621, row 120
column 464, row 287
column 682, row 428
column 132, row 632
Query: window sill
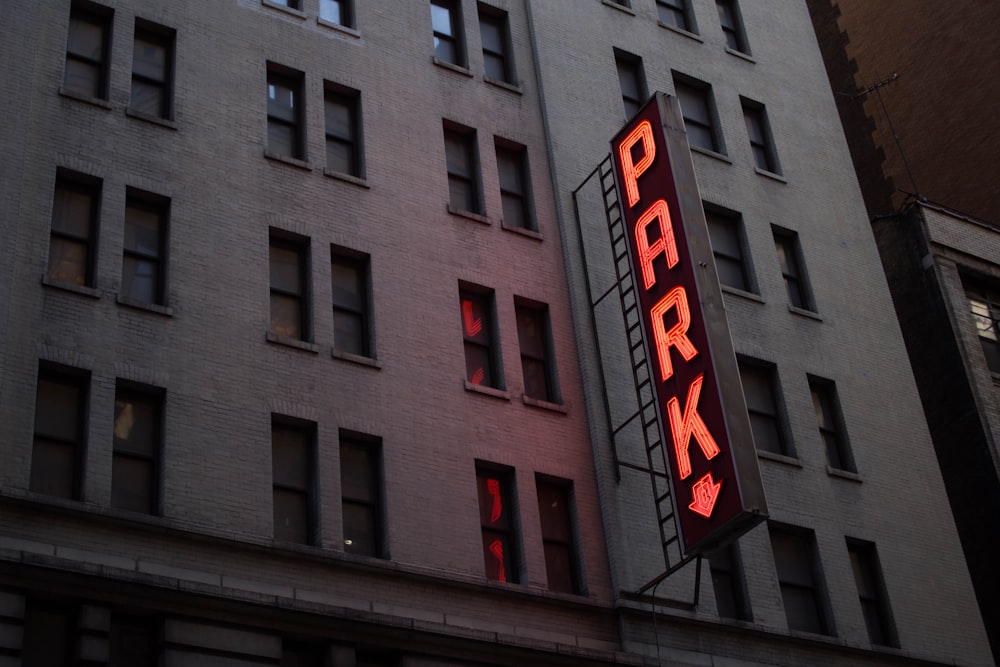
column 710, row 153
column 487, row 391
column 545, row 405
column 83, row 290
column 811, row 314
column 80, row 97
column 293, row 161
column 749, row 296
column 681, row 31
column 350, row 32
column 779, row 458
column 523, row 231
column 506, row 85
column 361, row 360
column 621, row 8
column 287, row 341
column 469, row 215
column 843, row 474
column 298, row 13
column 149, row 118
column 770, row 174
column 347, row 178
column 149, row 307
column 741, row 55
column 451, row 66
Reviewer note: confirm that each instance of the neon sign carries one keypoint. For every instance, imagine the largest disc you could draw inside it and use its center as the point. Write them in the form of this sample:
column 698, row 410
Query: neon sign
column 703, row 421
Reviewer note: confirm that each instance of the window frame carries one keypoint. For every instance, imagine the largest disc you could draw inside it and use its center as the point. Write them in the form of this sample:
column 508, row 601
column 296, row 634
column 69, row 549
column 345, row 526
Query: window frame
column 980, row 292
column 103, row 17
column 153, row 397
column 300, row 245
column 456, row 39
column 510, row 569
column 350, row 99
column 361, row 264
column 864, row 555
column 726, row 562
column 805, row 542
column 82, row 184
column 796, row 280
column 515, row 156
column 767, row 374
column 724, row 219
column 631, row 65
column 485, row 298
column 733, row 30
column 687, row 86
column 468, row 140
column 522, row 308
column 570, row 542
column 79, row 380
column 308, row 432
column 679, row 12
column 345, row 9
column 834, row 434
column 762, row 149
column 499, row 19
column 372, row 448
column 165, row 38
column 159, row 206
column 294, row 81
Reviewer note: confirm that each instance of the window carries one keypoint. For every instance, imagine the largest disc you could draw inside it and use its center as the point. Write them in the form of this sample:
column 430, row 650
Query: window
column 293, row 458
column 137, row 437
column 152, row 69
column 49, row 633
column 74, row 229
column 87, row 49
column 291, row 4
column 302, row 654
column 985, row 305
column 361, row 488
column 143, row 264
column 631, row 81
column 446, row 20
column 289, row 312
column 761, row 393
column 761, row 143
column 786, row 243
column 498, row 525
column 515, row 194
column 676, row 13
column 462, row 161
column 343, row 130
column 872, row 593
column 830, row 421
column 556, row 515
column 133, row 640
column 340, row 12
column 495, row 33
column 799, row 577
column 350, row 272
column 698, row 109
column 732, row 25
column 725, row 228
column 537, row 359
column 285, row 103
column 727, row 580
column 482, row 365
column 60, row 431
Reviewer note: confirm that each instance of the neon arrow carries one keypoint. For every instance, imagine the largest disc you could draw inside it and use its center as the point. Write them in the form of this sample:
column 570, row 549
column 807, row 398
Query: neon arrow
column 705, row 491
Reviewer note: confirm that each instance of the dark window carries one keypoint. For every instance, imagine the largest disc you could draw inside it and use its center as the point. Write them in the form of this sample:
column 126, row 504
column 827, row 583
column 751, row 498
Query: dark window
column 732, row 25
column 482, row 365
column 152, row 69
column 74, row 228
column 293, row 458
column 340, row 12
column 786, row 244
column 985, row 305
column 761, row 394
column 446, row 20
column 515, row 193
column 138, row 429
column 830, row 422
column 759, row 131
column 725, row 228
column 60, row 431
column 361, row 489
column 343, row 130
column 495, row 33
column 555, row 512
column 727, row 580
column 872, row 593
column 293, row 4
column 676, row 13
column 133, row 640
column 87, row 49
column 49, row 633
column 698, row 109
column 802, row 592
column 289, row 310
column 143, row 264
column 534, row 337
column 285, row 104
column 462, row 161
column 496, row 517
column 302, row 654
column 631, row 81
column 350, row 273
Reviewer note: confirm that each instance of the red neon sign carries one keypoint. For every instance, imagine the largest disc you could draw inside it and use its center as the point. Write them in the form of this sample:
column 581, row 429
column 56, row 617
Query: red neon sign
column 716, row 486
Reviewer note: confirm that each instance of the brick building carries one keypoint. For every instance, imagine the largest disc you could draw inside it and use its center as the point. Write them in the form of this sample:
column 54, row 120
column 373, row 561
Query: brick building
column 299, row 365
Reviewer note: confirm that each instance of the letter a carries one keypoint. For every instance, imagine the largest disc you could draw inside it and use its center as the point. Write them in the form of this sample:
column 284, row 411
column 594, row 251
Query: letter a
column 666, row 244
column 682, row 428
column 631, row 172
column 677, row 335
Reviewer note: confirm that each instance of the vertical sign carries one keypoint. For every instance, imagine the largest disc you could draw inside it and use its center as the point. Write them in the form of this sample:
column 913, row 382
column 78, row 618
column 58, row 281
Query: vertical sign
column 703, row 421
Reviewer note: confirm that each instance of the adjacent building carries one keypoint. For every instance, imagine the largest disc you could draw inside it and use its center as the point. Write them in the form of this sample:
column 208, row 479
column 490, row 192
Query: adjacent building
column 303, row 361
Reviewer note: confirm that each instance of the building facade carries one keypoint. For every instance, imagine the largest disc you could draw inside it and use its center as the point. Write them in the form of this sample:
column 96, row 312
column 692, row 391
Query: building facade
column 299, row 365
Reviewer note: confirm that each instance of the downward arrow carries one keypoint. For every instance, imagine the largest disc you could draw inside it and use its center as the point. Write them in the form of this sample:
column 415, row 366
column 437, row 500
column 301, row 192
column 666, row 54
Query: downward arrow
column 705, row 491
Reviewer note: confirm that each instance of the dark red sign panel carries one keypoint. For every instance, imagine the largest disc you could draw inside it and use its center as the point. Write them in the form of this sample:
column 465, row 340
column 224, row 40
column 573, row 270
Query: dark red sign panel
column 703, row 421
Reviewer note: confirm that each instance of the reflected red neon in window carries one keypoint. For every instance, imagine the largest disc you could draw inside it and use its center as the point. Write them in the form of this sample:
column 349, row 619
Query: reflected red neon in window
column 473, row 324
column 496, row 549
column 477, row 333
column 498, row 528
